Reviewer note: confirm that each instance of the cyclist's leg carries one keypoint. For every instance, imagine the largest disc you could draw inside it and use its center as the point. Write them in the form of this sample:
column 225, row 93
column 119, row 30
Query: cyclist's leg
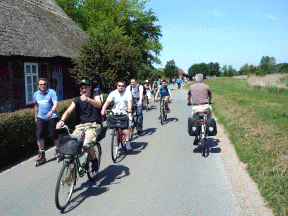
column 41, row 128
column 90, row 138
column 140, row 116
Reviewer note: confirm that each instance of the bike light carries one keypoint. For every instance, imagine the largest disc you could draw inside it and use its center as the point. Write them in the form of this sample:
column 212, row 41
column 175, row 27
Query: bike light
column 202, row 123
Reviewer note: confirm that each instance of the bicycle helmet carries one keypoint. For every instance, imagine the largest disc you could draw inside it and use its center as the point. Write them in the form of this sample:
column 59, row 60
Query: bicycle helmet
column 97, row 89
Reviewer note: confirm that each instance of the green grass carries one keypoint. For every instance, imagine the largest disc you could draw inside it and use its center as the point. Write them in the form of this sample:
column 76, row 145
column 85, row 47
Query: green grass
column 257, row 121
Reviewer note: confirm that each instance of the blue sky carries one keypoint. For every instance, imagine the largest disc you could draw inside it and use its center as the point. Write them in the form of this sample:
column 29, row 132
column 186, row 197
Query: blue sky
column 230, row 32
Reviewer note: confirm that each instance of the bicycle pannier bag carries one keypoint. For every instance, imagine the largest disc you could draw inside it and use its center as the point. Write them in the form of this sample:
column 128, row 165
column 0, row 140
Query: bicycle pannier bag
column 70, row 144
column 118, row 121
column 192, row 126
column 211, row 127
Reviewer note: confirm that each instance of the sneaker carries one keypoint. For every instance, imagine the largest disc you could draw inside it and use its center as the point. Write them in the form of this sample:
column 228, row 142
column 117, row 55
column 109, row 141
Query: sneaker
column 57, row 153
column 168, row 110
column 95, row 165
column 195, row 141
column 41, row 155
column 128, row 146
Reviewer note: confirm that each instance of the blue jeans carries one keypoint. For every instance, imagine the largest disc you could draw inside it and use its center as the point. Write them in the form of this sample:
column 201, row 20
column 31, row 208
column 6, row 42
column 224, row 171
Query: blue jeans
column 139, row 111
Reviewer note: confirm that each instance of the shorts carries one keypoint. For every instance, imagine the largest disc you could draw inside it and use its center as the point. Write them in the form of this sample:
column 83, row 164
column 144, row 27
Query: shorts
column 90, row 134
column 166, row 97
column 44, row 125
column 201, row 108
column 148, row 94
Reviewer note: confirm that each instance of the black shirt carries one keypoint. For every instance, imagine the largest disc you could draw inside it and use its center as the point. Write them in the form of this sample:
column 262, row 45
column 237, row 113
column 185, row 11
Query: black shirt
column 86, row 112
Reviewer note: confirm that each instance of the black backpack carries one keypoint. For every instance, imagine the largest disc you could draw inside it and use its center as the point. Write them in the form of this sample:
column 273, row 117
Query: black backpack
column 144, row 89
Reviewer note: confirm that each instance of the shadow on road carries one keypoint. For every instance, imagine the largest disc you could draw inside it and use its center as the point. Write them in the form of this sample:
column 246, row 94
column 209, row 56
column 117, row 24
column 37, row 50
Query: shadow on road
column 211, row 145
column 137, row 147
column 110, row 175
column 148, row 131
column 171, row 120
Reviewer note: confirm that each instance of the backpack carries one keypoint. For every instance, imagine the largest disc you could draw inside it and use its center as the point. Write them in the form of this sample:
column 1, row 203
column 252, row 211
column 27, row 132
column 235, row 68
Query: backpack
column 144, row 89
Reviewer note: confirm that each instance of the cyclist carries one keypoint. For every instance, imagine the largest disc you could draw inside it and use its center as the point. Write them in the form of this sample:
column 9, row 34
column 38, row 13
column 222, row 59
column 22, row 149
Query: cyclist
column 46, row 103
column 155, row 87
column 173, row 81
column 165, row 91
column 97, row 91
column 179, row 80
column 137, row 95
column 148, row 92
column 122, row 99
column 88, row 118
column 201, row 96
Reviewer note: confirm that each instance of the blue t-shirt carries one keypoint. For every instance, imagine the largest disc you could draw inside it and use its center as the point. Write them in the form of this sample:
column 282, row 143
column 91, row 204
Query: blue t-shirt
column 45, row 103
column 179, row 80
column 164, row 91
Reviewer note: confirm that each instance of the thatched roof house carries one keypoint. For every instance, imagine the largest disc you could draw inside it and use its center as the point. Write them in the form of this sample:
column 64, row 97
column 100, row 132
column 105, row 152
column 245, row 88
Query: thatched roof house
column 37, row 39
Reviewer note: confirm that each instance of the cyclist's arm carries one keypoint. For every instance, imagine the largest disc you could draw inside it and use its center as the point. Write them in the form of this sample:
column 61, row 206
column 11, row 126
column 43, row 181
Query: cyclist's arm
column 54, row 108
column 106, row 104
column 141, row 94
column 169, row 90
column 96, row 102
column 36, row 111
column 70, row 109
column 210, row 98
column 157, row 94
column 129, row 106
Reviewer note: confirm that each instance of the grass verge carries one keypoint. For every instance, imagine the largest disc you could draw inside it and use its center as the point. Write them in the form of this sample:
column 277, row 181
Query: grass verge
column 257, row 121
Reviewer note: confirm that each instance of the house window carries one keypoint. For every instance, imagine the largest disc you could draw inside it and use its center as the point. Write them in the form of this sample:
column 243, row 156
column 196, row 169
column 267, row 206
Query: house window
column 57, row 81
column 31, row 78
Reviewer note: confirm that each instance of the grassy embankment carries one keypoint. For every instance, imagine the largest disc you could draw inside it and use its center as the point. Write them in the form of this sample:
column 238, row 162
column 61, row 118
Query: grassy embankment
column 256, row 119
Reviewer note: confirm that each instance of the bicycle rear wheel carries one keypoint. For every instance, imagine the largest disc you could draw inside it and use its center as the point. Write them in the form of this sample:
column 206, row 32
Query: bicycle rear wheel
column 115, row 146
column 123, row 139
column 65, row 185
column 93, row 175
column 203, row 146
column 162, row 114
column 133, row 126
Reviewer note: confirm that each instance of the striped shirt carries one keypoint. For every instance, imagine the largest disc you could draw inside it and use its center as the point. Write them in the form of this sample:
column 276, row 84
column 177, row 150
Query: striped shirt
column 200, row 93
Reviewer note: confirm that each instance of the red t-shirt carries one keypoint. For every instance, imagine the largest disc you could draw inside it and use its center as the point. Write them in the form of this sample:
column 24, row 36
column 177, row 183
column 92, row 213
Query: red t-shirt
column 200, row 93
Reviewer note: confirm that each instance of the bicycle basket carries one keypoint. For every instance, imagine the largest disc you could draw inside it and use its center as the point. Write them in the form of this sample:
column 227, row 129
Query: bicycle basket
column 70, row 144
column 118, row 121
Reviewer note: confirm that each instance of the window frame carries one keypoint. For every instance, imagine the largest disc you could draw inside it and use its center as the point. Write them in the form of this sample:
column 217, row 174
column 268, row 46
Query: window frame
column 31, row 74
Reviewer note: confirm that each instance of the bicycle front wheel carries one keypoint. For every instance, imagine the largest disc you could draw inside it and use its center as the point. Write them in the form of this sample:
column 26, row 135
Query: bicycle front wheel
column 123, row 139
column 65, row 185
column 162, row 114
column 115, row 146
column 92, row 175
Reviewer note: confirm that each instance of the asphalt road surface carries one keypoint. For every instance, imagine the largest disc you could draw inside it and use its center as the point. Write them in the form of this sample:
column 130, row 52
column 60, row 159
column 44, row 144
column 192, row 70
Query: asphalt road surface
column 164, row 174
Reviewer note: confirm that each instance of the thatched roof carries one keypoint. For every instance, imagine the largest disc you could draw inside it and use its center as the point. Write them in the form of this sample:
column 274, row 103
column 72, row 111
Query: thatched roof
column 38, row 28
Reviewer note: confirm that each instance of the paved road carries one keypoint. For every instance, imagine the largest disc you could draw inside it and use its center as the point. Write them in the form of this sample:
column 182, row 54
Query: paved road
column 164, row 174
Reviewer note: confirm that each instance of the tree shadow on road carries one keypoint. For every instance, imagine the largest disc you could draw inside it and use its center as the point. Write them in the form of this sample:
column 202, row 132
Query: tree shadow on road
column 110, row 175
column 210, row 145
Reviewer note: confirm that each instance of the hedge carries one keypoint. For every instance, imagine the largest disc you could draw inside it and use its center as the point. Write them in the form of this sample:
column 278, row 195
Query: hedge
column 18, row 133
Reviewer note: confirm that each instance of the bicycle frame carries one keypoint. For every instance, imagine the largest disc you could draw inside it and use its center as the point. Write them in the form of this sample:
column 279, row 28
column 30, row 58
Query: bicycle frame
column 202, row 124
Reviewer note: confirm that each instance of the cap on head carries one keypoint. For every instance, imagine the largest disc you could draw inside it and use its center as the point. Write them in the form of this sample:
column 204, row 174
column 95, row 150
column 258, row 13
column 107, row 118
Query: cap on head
column 97, row 89
column 84, row 82
column 146, row 81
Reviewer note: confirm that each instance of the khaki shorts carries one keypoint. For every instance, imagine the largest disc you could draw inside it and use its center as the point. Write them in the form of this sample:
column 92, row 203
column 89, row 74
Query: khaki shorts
column 166, row 97
column 201, row 108
column 90, row 134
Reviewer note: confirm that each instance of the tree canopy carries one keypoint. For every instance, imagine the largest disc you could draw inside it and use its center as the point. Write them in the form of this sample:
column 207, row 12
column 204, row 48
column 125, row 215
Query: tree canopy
column 171, row 70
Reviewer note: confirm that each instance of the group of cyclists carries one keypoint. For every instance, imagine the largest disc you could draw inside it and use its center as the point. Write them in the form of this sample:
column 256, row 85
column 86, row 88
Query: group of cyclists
column 89, row 109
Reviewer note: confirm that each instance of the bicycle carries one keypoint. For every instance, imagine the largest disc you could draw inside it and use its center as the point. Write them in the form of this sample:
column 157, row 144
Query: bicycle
column 71, row 166
column 118, row 138
column 146, row 103
column 134, row 122
column 202, row 134
column 163, row 111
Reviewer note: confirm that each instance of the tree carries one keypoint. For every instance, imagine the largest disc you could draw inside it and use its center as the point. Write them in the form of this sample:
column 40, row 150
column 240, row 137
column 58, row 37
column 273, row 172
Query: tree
column 283, row 67
column 199, row 68
column 231, row 72
column 214, row 69
column 244, row 69
column 122, row 17
column 224, row 70
column 267, row 65
column 105, row 60
column 171, row 70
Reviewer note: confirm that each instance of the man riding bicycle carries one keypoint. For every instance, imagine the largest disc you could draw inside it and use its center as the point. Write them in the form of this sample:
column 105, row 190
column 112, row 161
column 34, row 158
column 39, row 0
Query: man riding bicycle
column 201, row 96
column 137, row 95
column 88, row 118
column 165, row 91
column 179, row 80
column 122, row 99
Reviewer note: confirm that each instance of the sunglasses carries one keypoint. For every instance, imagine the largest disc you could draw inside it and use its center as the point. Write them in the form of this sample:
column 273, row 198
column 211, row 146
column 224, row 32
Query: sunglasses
column 121, row 85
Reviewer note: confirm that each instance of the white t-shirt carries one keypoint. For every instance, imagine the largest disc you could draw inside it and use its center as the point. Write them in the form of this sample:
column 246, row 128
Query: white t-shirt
column 120, row 99
column 135, row 92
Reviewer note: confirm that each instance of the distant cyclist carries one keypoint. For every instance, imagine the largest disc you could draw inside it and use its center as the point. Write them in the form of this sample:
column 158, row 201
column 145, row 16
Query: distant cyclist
column 179, row 80
column 201, row 96
column 148, row 92
column 165, row 91
column 122, row 100
column 155, row 87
